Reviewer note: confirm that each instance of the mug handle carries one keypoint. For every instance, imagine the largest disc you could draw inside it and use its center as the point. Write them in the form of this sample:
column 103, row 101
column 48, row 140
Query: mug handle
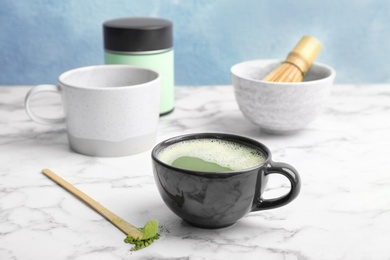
column 31, row 114
column 292, row 175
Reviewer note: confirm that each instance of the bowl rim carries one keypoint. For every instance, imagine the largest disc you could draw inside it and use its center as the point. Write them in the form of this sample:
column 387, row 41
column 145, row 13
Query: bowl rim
column 331, row 70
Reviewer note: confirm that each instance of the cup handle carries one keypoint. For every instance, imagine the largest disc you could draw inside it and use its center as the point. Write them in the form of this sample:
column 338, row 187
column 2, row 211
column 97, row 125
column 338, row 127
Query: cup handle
column 31, row 114
column 292, row 175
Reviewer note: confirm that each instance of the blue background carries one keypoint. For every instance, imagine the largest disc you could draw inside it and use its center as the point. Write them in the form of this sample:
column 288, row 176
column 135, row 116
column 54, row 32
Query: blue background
column 40, row 39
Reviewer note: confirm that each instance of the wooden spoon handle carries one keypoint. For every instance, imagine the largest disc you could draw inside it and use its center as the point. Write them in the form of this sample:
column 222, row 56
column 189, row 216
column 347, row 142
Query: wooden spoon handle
column 110, row 216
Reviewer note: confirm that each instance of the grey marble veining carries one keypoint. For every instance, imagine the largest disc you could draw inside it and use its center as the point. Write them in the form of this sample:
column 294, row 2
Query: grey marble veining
column 343, row 211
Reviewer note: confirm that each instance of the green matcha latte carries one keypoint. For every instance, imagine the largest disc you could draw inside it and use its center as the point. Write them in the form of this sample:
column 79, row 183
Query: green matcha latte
column 211, row 155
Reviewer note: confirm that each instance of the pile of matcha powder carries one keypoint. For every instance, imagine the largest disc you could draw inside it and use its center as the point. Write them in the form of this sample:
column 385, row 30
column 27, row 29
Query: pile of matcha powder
column 149, row 235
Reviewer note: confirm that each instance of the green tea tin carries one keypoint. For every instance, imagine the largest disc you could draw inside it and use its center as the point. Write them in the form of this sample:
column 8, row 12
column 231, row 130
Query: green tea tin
column 145, row 42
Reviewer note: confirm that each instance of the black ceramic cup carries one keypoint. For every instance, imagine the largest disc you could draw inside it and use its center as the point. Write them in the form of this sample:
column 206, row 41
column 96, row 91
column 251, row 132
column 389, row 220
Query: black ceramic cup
column 215, row 199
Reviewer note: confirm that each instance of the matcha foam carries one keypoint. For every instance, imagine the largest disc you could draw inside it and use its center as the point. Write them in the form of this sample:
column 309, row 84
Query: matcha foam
column 222, row 152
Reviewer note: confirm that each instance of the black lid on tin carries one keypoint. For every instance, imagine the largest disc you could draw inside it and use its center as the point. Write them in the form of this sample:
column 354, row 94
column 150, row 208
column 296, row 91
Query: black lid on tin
column 137, row 34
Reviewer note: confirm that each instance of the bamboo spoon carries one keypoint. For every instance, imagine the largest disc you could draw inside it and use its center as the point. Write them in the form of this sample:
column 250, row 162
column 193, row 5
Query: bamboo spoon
column 148, row 232
column 298, row 61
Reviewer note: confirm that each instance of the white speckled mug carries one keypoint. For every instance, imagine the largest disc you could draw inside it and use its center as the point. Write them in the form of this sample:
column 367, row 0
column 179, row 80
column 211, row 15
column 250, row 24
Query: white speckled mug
column 280, row 107
column 110, row 110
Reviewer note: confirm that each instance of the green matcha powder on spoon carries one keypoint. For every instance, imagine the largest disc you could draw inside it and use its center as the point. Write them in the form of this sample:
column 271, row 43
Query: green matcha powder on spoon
column 139, row 237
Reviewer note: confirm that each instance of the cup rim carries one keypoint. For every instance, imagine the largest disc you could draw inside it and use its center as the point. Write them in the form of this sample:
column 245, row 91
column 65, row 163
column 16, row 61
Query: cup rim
column 216, row 135
column 112, row 66
column 332, row 72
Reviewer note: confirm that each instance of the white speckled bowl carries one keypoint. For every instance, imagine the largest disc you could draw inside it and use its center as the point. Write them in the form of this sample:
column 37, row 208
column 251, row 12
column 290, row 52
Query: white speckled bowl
column 280, row 108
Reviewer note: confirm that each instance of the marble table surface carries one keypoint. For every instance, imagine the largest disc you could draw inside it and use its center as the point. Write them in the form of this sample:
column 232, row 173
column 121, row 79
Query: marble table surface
column 342, row 212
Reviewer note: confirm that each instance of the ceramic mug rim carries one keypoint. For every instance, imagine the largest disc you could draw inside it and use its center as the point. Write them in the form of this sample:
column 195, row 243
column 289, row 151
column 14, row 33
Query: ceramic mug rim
column 61, row 78
column 205, row 135
column 331, row 72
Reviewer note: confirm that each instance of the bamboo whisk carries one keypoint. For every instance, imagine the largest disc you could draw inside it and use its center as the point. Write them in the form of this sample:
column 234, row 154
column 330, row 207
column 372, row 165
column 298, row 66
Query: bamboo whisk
column 298, row 61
